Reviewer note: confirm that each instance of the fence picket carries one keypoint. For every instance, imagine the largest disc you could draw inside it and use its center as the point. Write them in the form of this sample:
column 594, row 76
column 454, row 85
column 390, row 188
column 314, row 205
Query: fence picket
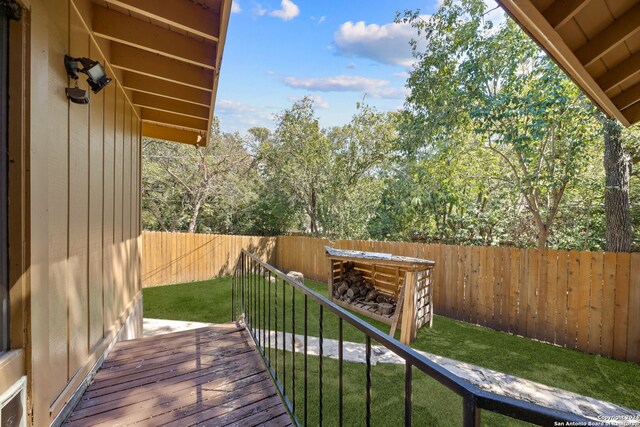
column 573, row 301
column 584, row 291
column 595, row 312
column 608, row 303
column 621, row 309
column 550, row 309
column 633, row 332
column 562, row 293
column 541, row 307
column 514, row 292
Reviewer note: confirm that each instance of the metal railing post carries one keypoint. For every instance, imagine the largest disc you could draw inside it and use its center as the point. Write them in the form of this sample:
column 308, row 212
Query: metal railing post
column 470, row 412
column 408, row 394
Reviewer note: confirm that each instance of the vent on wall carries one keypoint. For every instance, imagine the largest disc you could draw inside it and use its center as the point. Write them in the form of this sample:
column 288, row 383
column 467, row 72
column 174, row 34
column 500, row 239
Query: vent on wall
column 13, row 405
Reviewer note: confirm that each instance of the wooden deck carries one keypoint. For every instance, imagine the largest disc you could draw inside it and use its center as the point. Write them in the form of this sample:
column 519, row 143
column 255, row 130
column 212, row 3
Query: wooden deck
column 210, row 376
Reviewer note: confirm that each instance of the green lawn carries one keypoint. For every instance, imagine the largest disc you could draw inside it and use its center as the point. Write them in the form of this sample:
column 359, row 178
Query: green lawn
column 595, row 376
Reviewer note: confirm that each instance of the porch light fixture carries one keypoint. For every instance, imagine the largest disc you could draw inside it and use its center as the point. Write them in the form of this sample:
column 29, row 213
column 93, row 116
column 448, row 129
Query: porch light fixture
column 97, row 78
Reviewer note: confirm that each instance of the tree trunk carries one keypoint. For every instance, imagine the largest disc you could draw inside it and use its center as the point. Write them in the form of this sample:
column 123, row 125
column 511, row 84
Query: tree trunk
column 543, row 236
column 313, row 217
column 193, row 222
column 616, row 196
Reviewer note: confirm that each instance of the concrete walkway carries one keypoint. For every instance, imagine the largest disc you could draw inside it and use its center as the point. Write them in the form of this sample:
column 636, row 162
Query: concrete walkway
column 483, row 378
column 153, row 327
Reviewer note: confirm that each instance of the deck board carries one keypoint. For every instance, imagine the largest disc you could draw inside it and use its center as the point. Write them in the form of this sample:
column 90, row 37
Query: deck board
column 205, row 376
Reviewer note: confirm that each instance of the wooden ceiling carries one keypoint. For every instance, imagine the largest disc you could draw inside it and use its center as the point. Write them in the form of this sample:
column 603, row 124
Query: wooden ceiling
column 597, row 42
column 169, row 52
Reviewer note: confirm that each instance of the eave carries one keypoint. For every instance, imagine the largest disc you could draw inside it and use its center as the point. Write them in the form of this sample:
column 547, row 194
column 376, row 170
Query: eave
column 169, row 53
column 596, row 42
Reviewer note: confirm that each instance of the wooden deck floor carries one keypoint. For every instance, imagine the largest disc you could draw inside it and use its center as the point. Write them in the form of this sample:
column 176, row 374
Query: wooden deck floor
column 210, row 376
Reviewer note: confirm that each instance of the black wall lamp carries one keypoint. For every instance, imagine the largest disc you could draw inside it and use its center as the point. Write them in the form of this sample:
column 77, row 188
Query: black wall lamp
column 97, row 78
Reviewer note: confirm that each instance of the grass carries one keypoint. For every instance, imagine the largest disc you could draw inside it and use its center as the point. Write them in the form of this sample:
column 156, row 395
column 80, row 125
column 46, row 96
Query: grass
column 602, row 378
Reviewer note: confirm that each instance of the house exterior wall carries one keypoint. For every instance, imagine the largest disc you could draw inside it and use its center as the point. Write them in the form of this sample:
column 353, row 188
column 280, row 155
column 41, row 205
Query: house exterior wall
column 83, row 236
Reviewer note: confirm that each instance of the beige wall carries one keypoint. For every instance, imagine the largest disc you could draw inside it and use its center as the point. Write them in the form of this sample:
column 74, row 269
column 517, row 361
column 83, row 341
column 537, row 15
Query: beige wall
column 84, row 197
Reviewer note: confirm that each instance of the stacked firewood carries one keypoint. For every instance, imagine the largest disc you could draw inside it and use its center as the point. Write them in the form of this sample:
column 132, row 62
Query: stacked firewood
column 354, row 289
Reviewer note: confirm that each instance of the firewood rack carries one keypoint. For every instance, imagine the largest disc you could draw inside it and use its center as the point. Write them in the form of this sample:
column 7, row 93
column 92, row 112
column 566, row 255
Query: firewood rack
column 408, row 280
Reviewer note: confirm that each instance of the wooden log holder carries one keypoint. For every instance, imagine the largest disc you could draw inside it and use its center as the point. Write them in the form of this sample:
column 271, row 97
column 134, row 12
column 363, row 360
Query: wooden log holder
column 369, row 282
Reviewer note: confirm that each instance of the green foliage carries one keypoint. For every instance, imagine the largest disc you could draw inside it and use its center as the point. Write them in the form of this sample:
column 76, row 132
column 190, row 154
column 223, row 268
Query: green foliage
column 197, row 189
column 489, row 93
column 631, row 139
column 326, row 178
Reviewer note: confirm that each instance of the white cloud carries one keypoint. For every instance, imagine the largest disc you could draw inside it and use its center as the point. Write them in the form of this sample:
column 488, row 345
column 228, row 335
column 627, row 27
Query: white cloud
column 334, row 83
column 389, row 92
column 229, row 106
column 377, row 88
column 402, row 75
column 351, row 65
column 240, row 116
column 258, row 10
column 318, row 101
column 235, row 7
column 288, row 11
column 388, row 43
column 321, row 19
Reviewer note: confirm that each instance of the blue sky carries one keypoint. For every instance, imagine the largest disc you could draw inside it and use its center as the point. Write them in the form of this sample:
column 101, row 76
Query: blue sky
column 278, row 51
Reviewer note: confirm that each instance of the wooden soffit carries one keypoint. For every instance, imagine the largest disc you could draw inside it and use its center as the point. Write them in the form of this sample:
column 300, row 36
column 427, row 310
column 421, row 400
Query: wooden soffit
column 596, row 42
column 169, row 53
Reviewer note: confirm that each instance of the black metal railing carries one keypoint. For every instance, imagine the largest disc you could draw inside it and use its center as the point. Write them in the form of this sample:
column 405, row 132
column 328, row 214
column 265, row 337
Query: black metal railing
column 257, row 284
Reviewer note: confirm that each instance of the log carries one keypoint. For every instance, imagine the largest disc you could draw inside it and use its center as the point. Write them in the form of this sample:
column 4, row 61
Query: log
column 350, row 293
column 342, row 289
column 385, row 308
column 371, row 295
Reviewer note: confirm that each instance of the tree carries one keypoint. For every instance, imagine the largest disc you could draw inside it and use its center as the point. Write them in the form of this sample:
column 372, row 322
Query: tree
column 476, row 85
column 360, row 149
column 616, row 196
column 299, row 158
column 329, row 177
column 273, row 212
column 181, row 183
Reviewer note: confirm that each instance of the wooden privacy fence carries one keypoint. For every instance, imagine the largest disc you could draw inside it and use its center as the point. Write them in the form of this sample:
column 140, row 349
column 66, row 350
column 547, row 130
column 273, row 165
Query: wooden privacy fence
column 583, row 300
column 169, row 258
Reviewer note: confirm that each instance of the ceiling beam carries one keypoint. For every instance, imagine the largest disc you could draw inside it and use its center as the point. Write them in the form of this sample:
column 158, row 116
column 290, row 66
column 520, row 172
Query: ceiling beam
column 633, row 113
column 184, row 14
column 149, row 64
column 128, row 30
column 170, row 105
column 167, row 133
column 620, row 73
column 145, row 84
column 561, row 11
column 617, row 32
column 628, row 97
column 163, row 117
